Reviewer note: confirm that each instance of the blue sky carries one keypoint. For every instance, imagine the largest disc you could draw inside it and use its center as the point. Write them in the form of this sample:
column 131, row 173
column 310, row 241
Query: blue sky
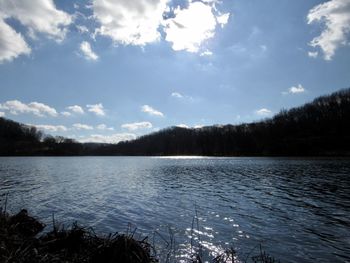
column 111, row 70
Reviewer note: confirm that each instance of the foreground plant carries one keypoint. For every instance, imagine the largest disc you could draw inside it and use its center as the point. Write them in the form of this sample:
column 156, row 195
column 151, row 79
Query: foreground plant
column 76, row 244
column 19, row 243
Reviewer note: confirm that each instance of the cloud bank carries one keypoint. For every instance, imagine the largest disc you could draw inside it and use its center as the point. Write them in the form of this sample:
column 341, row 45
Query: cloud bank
column 114, row 138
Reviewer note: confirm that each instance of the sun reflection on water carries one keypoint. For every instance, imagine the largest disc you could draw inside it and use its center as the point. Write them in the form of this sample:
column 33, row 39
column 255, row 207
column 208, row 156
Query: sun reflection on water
column 185, row 157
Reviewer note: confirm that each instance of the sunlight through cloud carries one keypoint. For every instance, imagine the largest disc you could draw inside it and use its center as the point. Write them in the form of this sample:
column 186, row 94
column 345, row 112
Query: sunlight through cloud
column 129, row 22
column 190, row 27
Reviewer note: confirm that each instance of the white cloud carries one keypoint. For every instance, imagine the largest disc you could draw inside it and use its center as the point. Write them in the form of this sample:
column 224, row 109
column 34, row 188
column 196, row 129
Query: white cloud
column 2, row 114
column 12, row 43
column 51, row 128
column 15, row 106
column 134, row 22
column 176, row 95
column 296, row 89
column 223, row 19
column 82, row 29
column 80, row 126
column 192, row 26
column 206, row 53
column 86, row 50
column 39, row 109
column 209, row 1
column 183, row 126
column 129, row 22
column 97, row 109
column 335, row 14
column 263, row 112
column 114, row 138
column 38, row 15
column 66, row 113
column 151, row 111
column 76, row 109
column 104, row 127
column 137, row 126
column 183, row 97
column 312, row 54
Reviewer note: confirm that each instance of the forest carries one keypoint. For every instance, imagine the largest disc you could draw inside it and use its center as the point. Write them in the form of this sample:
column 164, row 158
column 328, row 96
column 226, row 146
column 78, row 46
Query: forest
column 318, row 128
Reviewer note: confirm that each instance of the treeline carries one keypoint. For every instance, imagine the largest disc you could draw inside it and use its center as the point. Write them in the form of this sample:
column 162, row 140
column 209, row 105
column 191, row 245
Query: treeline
column 319, row 128
column 21, row 140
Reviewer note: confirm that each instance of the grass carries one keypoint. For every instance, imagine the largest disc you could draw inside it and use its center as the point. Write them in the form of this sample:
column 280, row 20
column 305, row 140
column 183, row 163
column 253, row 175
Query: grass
column 20, row 242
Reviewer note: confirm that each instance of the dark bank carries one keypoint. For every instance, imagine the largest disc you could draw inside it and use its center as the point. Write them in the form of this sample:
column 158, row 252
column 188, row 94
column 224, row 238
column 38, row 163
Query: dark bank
column 21, row 243
column 318, row 128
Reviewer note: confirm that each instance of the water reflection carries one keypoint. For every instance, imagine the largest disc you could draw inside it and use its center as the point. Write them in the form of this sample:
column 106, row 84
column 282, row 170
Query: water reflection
column 206, row 203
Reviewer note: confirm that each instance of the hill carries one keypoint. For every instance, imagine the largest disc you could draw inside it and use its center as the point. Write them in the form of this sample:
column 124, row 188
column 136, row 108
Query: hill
column 17, row 139
column 319, row 128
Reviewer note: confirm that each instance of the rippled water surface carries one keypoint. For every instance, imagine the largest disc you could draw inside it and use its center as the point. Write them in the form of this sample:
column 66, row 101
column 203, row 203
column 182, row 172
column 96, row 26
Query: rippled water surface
column 298, row 209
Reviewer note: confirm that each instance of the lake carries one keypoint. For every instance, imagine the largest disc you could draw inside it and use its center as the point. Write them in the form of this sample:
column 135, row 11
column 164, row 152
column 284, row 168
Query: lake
column 298, row 210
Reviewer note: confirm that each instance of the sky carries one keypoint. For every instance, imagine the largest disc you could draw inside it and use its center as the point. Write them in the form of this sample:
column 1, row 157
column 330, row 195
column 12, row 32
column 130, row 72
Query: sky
column 112, row 70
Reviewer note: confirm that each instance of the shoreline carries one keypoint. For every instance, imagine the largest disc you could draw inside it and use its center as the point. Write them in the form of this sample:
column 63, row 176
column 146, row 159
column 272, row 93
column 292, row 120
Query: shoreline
column 22, row 241
column 291, row 157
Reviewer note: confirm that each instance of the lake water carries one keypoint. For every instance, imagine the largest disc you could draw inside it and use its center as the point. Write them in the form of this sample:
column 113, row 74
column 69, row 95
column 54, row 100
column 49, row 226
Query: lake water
column 297, row 209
